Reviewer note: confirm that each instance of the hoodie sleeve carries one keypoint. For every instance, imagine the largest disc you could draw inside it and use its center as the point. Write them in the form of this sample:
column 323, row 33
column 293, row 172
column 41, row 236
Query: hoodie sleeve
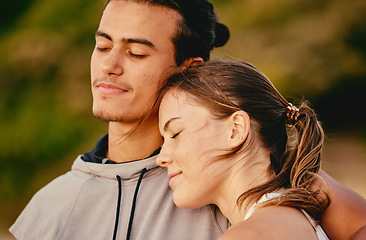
column 46, row 214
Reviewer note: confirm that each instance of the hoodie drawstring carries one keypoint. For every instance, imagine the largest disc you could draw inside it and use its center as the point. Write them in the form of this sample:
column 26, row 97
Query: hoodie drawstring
column 134, row 203
column 132, row 208
column 118, row 207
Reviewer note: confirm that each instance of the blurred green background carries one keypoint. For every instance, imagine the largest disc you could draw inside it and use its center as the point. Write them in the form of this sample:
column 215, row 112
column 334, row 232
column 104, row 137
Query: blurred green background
column 312, row 49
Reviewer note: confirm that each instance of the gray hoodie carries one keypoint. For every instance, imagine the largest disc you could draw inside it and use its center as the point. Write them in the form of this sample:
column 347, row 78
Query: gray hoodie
column 91, row 202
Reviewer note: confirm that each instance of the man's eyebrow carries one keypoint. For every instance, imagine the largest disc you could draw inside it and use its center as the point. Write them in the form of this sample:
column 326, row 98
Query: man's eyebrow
column 127, row 40
column 102, row 34
column 166, row 125
column 139, row 41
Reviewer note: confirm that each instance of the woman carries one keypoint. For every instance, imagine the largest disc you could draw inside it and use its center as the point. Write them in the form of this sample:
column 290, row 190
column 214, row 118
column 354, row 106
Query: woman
column 231, row 139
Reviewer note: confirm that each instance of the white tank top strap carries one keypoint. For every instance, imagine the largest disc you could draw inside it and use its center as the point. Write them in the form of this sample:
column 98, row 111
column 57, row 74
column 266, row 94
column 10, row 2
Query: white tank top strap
column 311, row 220
column 264, row 198
column 318, row 229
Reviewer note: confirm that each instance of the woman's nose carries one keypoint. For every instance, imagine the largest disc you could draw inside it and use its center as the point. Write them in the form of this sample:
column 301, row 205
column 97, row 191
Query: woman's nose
column 164, row 158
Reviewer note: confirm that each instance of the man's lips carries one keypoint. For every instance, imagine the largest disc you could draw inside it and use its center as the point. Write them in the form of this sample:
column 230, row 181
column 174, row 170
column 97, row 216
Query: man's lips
column 107, row 88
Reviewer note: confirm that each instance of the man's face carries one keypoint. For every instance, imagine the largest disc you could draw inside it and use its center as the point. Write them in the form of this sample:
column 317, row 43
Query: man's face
column 133, row 55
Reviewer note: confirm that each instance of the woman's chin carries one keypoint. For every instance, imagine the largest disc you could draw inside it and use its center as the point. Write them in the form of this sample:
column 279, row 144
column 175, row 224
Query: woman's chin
column 185, row 203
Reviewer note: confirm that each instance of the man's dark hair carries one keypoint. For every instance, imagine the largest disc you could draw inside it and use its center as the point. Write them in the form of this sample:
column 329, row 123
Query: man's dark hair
column 198, row 32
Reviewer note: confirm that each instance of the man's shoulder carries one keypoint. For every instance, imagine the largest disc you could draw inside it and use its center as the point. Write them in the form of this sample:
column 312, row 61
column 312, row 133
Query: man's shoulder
column 61, row 186
column 49, row 208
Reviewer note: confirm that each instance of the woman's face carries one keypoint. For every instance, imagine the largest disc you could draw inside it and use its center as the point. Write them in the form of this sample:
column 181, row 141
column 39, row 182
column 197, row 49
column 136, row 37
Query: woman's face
column 193, row 139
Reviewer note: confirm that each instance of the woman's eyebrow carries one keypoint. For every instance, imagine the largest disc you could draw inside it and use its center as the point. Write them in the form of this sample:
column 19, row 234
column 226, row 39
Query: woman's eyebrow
column 166, row 125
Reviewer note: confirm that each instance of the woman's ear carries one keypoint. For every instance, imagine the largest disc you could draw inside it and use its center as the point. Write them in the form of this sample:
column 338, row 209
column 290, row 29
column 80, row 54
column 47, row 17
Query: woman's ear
column 190, row 62
column 240, row 127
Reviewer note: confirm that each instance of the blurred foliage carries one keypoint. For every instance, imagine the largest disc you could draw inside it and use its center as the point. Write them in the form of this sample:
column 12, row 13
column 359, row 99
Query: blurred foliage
column 11, row 11
column 45, row 99
column 309, row 49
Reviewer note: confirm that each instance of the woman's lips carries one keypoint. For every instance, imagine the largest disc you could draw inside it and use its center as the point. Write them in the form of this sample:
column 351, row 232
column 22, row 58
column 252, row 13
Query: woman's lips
column 172, row 178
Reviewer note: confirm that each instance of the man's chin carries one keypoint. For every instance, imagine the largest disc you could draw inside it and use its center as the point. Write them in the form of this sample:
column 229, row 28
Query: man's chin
column 121, row 118
column 107, row 116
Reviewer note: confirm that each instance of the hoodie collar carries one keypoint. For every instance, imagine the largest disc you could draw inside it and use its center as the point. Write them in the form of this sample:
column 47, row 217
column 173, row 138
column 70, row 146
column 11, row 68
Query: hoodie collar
column 127, row 170
column 98, row 154
column 95, row 162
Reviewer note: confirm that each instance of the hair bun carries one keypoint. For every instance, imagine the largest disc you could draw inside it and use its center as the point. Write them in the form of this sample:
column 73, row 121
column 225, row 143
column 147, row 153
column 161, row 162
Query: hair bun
column 222, row 35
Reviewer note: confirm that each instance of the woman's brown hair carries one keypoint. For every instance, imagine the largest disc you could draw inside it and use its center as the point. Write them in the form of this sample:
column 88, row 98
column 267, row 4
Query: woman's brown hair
column 224, row 87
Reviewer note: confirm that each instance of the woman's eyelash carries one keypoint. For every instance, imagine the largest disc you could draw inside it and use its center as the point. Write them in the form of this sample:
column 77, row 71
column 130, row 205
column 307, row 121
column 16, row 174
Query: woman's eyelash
column 175, row 135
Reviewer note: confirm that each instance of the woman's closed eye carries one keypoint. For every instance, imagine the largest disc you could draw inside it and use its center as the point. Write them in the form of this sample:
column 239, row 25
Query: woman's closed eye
column 175, row 135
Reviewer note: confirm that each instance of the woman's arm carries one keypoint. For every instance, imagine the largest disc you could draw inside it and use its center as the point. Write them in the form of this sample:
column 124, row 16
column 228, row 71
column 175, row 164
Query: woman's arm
column 345, row 218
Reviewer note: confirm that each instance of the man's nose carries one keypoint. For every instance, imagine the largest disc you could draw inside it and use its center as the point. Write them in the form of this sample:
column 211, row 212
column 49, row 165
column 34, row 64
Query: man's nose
column 112, row 64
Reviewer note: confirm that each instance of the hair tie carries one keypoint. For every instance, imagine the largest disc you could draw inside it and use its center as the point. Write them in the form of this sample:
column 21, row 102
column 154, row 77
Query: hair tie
column 292, row 115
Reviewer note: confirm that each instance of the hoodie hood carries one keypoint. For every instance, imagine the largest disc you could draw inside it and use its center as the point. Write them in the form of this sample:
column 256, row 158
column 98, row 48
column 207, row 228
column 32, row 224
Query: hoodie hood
column 127, row 171
column 95, row 162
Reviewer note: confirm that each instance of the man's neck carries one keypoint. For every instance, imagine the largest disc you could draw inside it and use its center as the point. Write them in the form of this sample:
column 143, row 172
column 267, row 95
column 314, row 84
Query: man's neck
column 127, row 144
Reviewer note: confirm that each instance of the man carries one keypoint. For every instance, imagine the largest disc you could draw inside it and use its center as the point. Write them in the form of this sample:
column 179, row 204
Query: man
column 116, row 191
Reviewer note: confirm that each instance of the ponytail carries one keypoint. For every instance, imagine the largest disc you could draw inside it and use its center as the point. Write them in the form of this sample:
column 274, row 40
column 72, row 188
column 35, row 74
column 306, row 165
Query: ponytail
column 300, row 166
column 306, row 153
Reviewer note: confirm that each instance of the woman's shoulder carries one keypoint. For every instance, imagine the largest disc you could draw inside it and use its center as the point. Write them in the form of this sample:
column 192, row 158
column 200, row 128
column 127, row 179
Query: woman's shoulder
column 272, row 222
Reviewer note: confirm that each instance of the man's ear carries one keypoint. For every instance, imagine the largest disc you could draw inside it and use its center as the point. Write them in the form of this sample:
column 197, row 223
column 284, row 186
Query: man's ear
column 190, row 62
column 240, row 127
